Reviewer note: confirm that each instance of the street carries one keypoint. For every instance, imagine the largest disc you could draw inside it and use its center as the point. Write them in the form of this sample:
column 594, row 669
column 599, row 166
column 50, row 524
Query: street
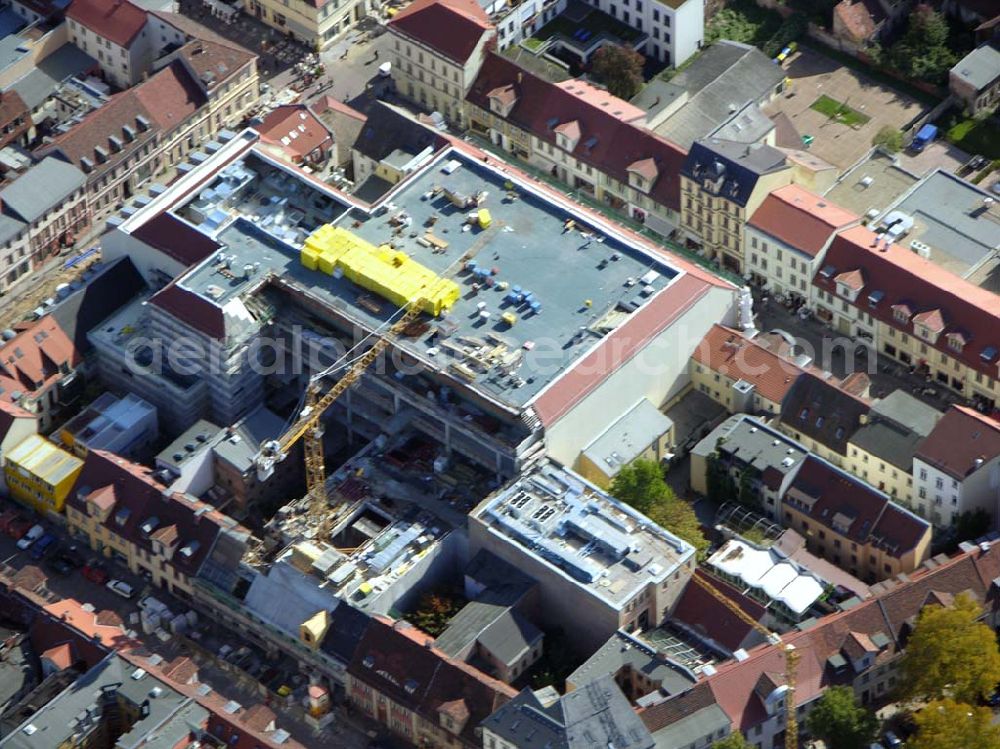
column 235, row 678
column 816, row 339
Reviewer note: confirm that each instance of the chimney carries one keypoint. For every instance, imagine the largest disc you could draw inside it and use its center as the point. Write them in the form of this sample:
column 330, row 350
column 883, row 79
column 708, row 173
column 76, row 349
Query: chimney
column 520, row 76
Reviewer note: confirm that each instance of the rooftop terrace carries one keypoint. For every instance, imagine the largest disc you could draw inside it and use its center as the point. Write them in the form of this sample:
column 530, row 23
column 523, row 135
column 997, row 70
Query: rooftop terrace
column 517, row 325
column 591, row 537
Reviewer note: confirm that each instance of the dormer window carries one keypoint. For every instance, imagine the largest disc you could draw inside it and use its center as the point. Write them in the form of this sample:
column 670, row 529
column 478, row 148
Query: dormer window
column 849, row 284
column 957, row 341
column 902, row 313
column 568, row 135
column 928, row 325
column 150, row 525
column 875, row 297
column 502, row 99
column 828, row 272
column 642, row 174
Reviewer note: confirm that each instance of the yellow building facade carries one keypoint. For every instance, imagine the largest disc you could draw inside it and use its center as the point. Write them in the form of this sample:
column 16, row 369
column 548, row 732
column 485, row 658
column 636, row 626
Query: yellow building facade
column 40, row 475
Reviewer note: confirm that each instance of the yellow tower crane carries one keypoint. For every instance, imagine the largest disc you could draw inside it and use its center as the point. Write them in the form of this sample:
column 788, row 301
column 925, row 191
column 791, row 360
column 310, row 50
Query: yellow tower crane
column 791, row 657
column 308, row 426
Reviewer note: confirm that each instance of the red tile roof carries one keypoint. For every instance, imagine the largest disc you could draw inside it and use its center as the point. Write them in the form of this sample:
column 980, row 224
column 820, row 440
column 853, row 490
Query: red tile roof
column 141, row 500
column 192, row 309
column 116, row 20
column 853, row 508
column 399, row 661
column 14, row 114
column 171, row 96
column 732, row 354
column 452, row 27
column 800, row 218
column 860, row 18
column 607, row 142
column 60, row 656
column 35, row 358
column 176, row 238
column 958, row 440
column 296, row 129
column 214, row 61
column 708, row 617
column 618, row 347
column 904, row 279
column 72, row 613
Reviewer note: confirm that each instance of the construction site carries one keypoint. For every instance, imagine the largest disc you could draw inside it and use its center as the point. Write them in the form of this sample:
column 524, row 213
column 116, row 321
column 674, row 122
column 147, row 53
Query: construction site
column 469, row 325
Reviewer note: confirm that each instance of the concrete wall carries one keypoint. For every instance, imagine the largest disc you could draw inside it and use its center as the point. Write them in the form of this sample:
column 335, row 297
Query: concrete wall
column 658, row 373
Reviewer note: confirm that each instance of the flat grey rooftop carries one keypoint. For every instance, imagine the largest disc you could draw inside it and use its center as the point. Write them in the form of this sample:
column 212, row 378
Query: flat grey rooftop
column 753, row 443
column 604, row 546
column 950, row 216
column 581, row 278
column 888, row 181
column 980, row 67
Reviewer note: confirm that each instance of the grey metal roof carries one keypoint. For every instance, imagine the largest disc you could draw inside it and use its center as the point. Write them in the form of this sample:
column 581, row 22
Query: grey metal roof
column 621, row 651
column 38, row 85
column 747, row 125
column 735, row 166
column 63, row 715
column 595, row 715
column 896, row 426
column 498, row 628
column 109, row 287
column 43, row 187
column 240, row 448
column 754, row 444
column 980, row 67
column 628, row 438
column 694, row 726
column 719, row 83
column 904, row 409
column 10, row 227
column 199, row 436
column 285, row 598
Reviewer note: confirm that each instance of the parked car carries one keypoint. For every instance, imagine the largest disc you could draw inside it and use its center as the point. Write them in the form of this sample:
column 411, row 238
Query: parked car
column 44, row 546
column 891, row 740
column 120, row 587
column 18, row 527
column 73, row 556
column 994, row 699
column 33, row 534
column 59, row 565
column 95, row 573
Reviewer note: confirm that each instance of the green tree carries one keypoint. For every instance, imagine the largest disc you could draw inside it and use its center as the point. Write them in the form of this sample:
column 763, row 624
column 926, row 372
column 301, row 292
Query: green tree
column 733, row 741
column 434, row 611
column 619, row 68
column 889, row 138
column 923, row 52
column 946, row 724
column 840, row 721
column 641, row 485
column 971, row 525
column 951, row 654
column 678, row 517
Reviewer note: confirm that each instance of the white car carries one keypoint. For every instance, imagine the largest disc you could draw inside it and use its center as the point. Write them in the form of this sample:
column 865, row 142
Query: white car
column 30, row 537
column 120, row 587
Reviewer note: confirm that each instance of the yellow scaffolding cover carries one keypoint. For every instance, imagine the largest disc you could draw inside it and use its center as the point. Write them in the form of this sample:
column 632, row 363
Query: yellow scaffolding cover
column 389, row 273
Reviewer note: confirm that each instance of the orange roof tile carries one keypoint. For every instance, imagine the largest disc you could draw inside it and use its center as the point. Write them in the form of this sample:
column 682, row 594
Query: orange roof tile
column 727, row 352
column 800, row 218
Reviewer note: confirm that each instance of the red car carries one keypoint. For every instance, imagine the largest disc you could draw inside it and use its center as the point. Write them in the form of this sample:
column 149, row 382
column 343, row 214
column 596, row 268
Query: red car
column 95, row 573
column 18, row 527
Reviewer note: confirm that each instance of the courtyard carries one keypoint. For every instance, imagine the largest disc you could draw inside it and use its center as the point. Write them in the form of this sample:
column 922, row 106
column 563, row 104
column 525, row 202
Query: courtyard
column 861, row 106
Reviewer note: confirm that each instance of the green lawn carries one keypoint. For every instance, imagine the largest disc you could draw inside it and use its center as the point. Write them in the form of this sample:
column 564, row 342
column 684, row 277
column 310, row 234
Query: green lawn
column 839, row 111
column 975, row 137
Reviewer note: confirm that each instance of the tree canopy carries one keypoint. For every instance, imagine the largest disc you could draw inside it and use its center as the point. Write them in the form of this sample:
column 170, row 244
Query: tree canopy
column 619, row 68
column 641, row 485
column 890, row 138
column 951, row 654
column 923, row 52
column 733, row 741
column 946, row 724
column 840, row 721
